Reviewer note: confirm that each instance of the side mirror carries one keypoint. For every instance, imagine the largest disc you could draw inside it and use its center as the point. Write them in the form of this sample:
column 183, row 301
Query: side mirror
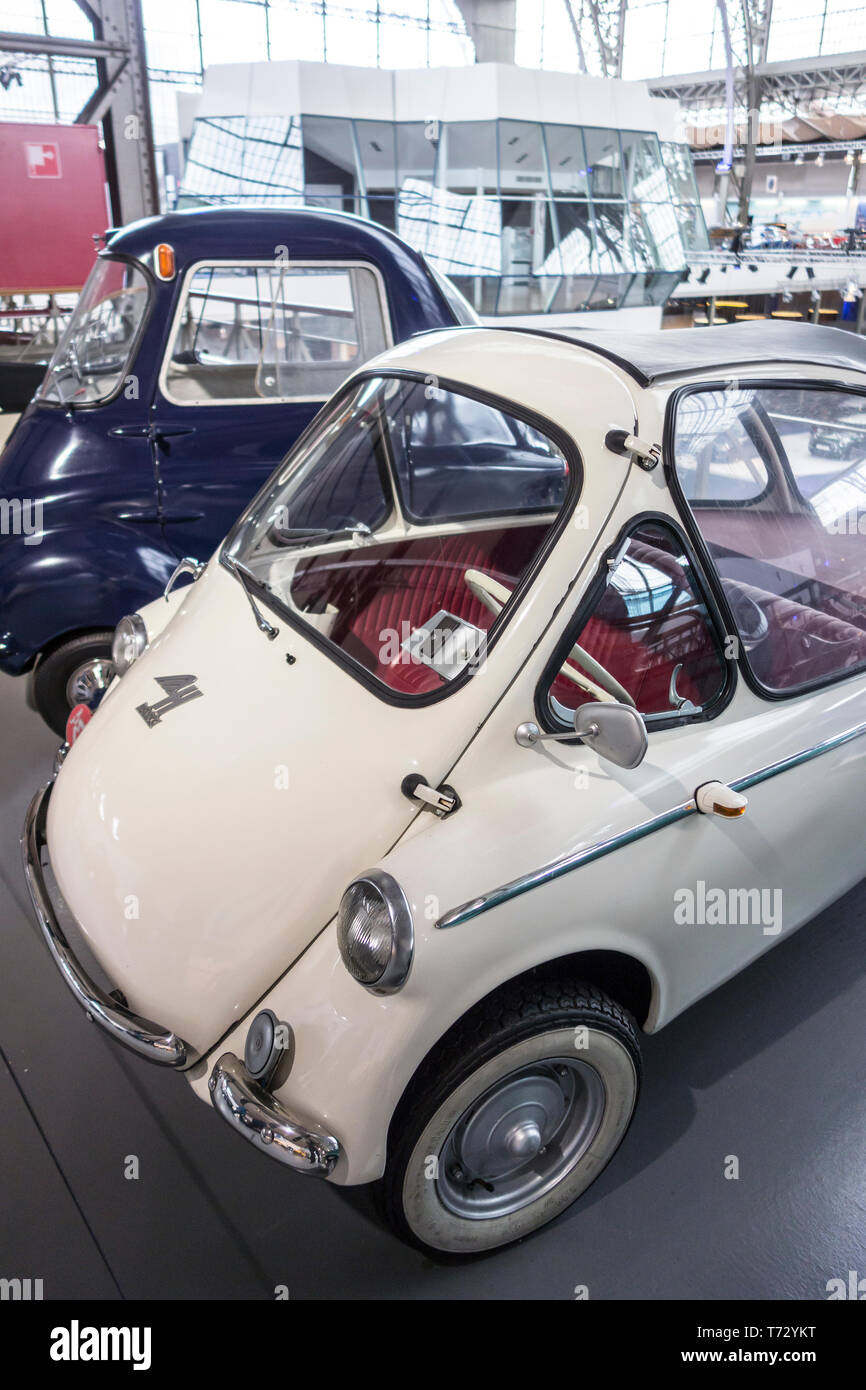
column 614, row 731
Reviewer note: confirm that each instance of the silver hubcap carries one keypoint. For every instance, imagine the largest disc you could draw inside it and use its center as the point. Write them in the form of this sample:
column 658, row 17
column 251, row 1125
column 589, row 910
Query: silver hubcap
column 89, row 681
column 520, row 1138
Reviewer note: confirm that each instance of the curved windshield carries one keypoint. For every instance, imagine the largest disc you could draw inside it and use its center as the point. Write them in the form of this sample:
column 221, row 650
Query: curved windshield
column 93, row 355
column 403, row 528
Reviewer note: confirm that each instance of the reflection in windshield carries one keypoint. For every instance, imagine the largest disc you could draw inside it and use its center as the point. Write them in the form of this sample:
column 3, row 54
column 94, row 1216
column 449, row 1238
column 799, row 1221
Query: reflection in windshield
column 93, row 354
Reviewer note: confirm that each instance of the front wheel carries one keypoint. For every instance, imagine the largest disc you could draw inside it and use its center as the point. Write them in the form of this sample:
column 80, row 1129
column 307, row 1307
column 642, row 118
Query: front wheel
column 77, row 672
column 512, row 1117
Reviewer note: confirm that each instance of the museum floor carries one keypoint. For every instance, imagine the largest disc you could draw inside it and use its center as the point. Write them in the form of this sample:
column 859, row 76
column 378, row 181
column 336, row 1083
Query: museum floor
column 769, row 1069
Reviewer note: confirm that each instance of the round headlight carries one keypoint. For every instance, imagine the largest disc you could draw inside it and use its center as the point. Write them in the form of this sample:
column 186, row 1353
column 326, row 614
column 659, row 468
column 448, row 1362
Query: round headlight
column 375, row 932
column 128, row 643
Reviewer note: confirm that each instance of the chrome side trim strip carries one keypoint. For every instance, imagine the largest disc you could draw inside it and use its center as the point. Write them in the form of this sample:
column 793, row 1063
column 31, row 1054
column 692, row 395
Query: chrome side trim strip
column 258, row 1117
column 150, row 1040
column 558, row 867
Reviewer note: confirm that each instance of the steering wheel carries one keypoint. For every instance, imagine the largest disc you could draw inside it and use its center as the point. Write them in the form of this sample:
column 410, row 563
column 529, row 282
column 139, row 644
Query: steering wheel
column 594, row 679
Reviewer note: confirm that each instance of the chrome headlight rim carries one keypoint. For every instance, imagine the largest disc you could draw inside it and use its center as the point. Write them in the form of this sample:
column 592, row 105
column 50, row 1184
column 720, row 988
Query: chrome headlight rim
column 130, row 630
column 396, row 971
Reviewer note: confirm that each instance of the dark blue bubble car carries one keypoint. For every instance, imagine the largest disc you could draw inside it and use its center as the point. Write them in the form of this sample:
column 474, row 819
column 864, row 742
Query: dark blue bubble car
column 202, row 345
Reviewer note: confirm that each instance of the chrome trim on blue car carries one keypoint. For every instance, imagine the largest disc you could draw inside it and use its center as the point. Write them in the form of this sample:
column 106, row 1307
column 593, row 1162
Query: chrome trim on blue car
column 558, row 867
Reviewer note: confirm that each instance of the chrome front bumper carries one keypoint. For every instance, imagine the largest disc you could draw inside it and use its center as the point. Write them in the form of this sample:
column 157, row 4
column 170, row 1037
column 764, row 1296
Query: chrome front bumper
column 259, row 1117
column 147, row 1039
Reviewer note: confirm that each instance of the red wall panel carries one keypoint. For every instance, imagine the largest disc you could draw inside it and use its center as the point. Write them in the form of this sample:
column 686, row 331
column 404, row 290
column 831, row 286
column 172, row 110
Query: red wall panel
column 52, row 201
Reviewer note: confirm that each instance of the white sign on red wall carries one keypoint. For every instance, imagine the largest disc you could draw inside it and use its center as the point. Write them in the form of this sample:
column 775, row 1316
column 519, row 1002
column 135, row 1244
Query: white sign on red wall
column 43, row 161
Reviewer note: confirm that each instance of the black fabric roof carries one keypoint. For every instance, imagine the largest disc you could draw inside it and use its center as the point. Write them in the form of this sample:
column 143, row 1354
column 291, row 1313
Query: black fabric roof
column 650, row 357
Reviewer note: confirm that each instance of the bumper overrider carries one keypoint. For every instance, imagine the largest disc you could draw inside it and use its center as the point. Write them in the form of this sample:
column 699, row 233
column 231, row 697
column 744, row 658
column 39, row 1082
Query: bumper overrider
column 249, row 1108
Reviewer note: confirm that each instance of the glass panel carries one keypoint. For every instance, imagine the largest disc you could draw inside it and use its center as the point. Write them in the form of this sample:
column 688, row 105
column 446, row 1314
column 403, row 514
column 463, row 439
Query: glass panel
column 791, row 553
column 603, row 162
column 215, row 157
column 482, row 291
column 460, row 235
column 467, row 157
column 376, row 145
column 271, row 163
column 574, row 254
column 417, row 146
column 94, row 353
column 382, row 210
column 291, row 332
column 680, row 171
column 526, row 295
column 329, row 161
column 645, row 176
column 650, row 630
column 693, row 228
column 527, row 236
column 607, row 291
column 654, row 237
column 567, row 159
column 521, row 158
column 574, row 292
column 612, row 251
column 384, row 578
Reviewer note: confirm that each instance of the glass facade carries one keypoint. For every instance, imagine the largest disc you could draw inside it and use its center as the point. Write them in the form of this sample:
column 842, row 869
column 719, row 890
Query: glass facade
column 525, row 217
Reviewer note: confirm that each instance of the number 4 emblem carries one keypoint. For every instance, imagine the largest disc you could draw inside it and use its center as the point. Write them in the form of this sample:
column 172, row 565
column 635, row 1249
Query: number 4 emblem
column 179, row 690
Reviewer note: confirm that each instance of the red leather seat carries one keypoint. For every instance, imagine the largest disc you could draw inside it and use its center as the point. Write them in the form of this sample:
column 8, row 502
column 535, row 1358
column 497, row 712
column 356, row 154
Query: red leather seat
column 383, row 594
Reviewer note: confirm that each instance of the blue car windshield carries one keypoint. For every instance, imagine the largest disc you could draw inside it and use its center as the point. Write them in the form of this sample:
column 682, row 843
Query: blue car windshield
column 94, row 353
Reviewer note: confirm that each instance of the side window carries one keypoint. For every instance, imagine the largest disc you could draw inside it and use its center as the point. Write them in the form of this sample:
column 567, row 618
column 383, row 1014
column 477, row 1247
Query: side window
column 646, row 638
column 248, row 333
column 792, row 554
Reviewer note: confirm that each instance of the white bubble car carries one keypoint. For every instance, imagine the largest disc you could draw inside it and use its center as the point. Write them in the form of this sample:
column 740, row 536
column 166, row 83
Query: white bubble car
column 525, row 705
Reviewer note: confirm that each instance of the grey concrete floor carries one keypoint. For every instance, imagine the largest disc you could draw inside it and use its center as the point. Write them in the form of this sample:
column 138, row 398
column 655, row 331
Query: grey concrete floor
column 769, row 1068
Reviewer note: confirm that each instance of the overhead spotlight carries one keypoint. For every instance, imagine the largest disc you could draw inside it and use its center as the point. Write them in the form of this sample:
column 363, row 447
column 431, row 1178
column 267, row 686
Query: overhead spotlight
column 810, row 272
column 819, row 160
column 791, row 273
column 851, row 292
column 849, row 157
column 815, row 296
column 801, row 159
column 724, row 270
column 787, row 296
column 686, row 275
column 704, row 276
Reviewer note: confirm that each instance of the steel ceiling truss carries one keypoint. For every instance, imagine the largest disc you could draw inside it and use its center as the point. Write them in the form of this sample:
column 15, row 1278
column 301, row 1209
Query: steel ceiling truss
column 599, row 28
column 785, row 84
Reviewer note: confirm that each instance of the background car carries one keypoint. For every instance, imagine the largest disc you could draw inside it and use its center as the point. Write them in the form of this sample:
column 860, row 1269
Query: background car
column 201, row 347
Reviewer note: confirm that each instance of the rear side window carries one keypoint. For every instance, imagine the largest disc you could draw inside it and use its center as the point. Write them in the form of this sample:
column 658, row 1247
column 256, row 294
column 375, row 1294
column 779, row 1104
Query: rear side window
column 645, row 637
column 791, row 555
column 274, row 332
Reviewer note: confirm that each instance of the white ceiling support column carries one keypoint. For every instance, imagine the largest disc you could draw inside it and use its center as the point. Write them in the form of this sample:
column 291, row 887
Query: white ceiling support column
column 491, row 26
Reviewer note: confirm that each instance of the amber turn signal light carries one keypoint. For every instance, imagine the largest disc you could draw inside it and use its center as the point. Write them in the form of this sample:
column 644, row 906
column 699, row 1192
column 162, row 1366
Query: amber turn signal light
column 164, row 261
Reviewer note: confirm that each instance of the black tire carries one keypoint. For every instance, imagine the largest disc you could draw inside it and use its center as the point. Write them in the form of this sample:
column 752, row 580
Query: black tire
column 53, row 672
column 531, row 1024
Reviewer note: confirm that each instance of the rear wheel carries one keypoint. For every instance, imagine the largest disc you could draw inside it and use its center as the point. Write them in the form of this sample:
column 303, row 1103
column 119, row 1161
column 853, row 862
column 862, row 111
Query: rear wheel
column 512, row 1117
column 77, row 672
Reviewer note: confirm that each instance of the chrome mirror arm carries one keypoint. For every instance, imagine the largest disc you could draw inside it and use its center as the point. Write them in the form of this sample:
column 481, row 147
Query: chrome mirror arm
column 187, row 566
